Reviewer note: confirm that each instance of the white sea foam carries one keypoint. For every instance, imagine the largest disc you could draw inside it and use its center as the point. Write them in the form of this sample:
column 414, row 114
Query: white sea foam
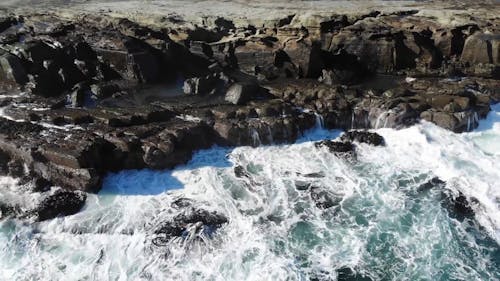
column 382, row 227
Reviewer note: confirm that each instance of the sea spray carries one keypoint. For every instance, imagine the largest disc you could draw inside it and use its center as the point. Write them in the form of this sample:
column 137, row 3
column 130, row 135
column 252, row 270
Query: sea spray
column 381, row 225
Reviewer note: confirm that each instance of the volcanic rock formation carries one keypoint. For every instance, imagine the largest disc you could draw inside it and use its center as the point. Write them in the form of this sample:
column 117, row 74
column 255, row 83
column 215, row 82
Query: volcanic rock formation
column 92, row 93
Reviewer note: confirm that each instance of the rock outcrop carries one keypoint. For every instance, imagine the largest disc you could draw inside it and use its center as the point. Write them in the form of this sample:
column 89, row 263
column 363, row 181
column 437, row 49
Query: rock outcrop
column 60, row 203
column 189, row 225
column 85, row 95
column 363, row 137
column 42, row 204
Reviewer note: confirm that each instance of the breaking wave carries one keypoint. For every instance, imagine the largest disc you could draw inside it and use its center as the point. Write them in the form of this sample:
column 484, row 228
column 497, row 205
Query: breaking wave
column 378, row 222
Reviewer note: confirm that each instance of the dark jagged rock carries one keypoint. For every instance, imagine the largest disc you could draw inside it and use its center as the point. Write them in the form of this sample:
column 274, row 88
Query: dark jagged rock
column 458, row 205
column 16, row 168
column 41, row 184
column 45, row 204
column 182, row 203
column 84, row 52
column 249, row 85
column 12, row 69
column 38, row 51
column 5, row 210
column 9, row 210
column 176, row 145
column 462, row 205
column 337, row 147
column 432, row 183
column 347, row 274
column 240, row 172
column 302, row 185
column 363, row 137
column 342, row 68
column 60, row 203
column 191, row 223
column 245, row 127
column 206, row 217
column 9, row 127
column 323, row 199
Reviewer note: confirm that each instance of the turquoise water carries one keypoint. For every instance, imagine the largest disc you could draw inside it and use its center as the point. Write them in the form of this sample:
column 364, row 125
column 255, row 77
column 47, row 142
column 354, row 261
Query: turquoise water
column 379, row 224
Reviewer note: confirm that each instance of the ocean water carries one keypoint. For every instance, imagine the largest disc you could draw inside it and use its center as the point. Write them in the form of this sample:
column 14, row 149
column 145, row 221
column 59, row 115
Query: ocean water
column 381, row 226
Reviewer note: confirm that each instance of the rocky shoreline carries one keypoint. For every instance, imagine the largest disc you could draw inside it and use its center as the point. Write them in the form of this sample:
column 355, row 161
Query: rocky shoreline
column 84, row 95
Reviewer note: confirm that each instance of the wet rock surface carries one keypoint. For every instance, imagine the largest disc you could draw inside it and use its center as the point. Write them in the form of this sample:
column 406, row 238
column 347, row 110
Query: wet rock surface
column 40, row 204
column 85, row 95
column 337, row 147
column 347, row 274
column 363, row 137
column 432, row 183
column 61, row 203
column 188, row 225
column 458, row 205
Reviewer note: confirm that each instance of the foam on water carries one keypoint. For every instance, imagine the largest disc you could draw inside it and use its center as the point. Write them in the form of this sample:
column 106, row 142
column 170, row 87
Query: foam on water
column 382, row 226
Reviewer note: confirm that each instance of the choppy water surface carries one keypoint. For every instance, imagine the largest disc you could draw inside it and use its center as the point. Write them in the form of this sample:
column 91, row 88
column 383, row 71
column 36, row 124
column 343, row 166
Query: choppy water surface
column 382, row 226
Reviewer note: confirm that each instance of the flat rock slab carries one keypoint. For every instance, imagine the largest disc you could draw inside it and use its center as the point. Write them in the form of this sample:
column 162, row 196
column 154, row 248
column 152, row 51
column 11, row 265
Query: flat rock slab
column 257, row 12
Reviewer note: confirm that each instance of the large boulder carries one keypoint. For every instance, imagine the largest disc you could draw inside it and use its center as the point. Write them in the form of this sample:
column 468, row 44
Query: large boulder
column 450, row 42
column 342, row 68
column 241, row 93
column 134, row 60
column 306, row 55
column 60, row 203
column 43, row 206
column 457, row 204
column 393, row 110
column 374, row 47
column 363, row 137
column 7, row 210
column 256, row 56
column 457, row 122
column 12, row 69
column 175, row 144
column 258, row 127
column 337, row 147
column 188, row 225
column 482, row 48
